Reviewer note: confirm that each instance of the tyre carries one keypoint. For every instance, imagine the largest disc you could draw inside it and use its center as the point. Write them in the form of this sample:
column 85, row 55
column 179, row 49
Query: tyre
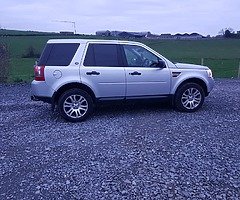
column 189, row 97
column 75, row 105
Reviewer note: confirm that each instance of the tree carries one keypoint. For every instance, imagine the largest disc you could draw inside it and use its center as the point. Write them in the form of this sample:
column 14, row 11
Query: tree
column 228, row 34
column 223, row 31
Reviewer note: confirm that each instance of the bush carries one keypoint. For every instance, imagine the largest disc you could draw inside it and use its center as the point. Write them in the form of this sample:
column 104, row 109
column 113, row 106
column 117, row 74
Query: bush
column 31, row 53
column 4, row 62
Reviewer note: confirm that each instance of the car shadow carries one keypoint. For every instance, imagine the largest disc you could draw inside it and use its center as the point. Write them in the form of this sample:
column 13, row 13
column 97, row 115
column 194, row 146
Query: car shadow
column 122, row 108
column 110, row 110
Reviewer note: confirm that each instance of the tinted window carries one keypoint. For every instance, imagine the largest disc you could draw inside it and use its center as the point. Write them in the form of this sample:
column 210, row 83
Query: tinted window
column 89, row 58
column 102, row 55
column 58, row 54
column 137, row 56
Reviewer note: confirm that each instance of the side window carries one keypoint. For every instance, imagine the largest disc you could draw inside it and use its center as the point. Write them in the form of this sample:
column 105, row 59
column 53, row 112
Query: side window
column 137, row 56
column 102, row 55
column 58, row 54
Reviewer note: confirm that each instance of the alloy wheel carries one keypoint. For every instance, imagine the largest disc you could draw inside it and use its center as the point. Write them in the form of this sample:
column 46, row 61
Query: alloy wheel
column 75, row 106
column 191, row 98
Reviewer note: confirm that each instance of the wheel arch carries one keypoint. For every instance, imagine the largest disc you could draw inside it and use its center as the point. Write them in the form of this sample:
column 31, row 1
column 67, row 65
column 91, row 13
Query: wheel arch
column 194, row 80
column 73, row 85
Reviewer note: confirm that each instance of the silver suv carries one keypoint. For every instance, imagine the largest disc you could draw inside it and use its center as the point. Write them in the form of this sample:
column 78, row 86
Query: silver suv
column 75, row 74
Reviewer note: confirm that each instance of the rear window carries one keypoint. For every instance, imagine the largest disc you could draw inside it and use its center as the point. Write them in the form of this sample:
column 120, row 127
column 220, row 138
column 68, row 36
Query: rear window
column 102, row 55
column 59, row 54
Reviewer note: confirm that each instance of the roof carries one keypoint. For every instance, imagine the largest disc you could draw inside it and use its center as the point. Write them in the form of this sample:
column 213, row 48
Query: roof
column 84, row 41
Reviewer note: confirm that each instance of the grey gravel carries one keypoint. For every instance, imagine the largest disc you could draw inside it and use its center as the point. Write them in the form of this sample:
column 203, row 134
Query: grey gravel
column 141, row 151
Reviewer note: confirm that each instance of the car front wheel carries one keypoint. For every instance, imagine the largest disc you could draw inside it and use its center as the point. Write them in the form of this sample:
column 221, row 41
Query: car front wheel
column 75, row 105
column 189, row 97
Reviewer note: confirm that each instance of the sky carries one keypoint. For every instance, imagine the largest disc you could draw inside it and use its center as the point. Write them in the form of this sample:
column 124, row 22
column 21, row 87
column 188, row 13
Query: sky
column 206, row 17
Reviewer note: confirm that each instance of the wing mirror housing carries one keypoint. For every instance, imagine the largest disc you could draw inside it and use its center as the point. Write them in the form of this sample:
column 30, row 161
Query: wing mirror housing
column 161, row 64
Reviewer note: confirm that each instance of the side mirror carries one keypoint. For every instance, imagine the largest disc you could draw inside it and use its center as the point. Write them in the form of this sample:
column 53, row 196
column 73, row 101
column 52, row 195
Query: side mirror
column 161, row 64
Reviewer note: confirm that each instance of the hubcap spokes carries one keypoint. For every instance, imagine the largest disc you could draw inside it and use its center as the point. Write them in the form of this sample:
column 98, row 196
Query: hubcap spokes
column 75, row 106
column 191, row 98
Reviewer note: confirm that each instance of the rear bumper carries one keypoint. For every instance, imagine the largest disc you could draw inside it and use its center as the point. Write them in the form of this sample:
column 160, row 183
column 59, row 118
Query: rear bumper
column 41, row 89
column 41, row 92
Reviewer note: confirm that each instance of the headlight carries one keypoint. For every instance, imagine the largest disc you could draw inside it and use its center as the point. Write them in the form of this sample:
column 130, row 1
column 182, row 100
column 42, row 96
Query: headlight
column 209, row 72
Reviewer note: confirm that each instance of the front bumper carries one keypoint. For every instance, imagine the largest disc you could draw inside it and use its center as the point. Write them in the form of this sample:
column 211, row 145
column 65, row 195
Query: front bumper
column 211, row 84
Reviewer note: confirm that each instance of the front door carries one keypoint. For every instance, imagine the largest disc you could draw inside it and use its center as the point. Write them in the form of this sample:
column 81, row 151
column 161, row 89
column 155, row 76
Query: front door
column 144, row 78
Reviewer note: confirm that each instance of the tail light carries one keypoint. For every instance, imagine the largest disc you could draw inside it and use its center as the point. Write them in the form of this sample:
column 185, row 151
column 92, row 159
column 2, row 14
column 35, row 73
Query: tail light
column 39, row 73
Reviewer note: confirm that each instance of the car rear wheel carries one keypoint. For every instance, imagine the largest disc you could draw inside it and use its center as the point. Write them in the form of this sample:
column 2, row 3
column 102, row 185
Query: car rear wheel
column 189, row 97
column 75, row 105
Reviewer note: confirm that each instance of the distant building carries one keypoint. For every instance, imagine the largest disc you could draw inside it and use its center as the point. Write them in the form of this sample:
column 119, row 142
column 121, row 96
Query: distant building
column 103, row 33
column 152, row 36
column 195, row 36
column 124, row 34
column 166, row 36
column 115, row 33
column 140, row 34
column 186, row 36
column 149, row 35
column 66, row 33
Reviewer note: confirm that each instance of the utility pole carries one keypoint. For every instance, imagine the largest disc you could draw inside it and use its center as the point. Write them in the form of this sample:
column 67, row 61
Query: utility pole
column 74, row 24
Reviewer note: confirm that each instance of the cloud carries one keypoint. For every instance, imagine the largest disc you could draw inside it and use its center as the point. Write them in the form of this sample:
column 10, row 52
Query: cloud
column 158, row 16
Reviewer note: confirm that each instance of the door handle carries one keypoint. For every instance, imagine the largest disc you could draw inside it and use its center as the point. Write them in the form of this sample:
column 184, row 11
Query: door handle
column 135, row 73
column 93, row 73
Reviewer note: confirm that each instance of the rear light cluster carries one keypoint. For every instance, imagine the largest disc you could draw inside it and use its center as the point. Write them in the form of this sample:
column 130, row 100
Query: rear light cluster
column 39, row 73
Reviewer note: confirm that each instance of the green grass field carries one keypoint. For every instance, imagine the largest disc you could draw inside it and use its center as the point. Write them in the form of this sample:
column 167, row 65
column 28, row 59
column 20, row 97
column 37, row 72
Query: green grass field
column 221, row 55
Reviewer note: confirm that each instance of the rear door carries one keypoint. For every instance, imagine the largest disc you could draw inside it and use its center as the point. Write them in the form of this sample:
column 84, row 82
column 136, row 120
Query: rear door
column 102, row 70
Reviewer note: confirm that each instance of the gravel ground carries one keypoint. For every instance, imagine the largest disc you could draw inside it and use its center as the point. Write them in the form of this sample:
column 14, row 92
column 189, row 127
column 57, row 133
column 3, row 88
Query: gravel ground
column 121, row 152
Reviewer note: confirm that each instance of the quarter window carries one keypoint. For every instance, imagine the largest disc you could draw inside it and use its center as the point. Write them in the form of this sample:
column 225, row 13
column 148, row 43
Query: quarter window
column 58, row 54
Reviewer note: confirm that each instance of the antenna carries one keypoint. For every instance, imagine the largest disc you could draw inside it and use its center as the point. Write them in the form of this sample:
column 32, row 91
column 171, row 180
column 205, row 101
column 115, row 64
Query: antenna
column 74, row 24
